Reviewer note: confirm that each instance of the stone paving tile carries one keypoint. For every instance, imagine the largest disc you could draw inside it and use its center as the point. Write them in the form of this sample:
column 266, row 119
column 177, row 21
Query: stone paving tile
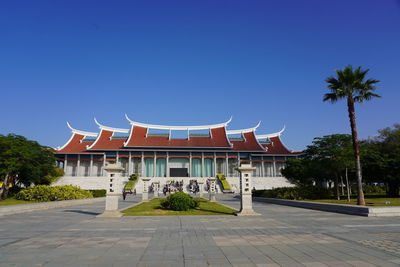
column 283, row 236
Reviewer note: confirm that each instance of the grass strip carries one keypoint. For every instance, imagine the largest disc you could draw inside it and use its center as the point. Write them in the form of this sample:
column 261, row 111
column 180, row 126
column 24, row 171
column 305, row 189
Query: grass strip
column 371, row 202
column 153, row 208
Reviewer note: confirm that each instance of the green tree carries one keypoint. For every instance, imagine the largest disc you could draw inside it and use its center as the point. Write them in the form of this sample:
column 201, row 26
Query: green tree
column 381, row 159
column 23, row 162
column 350, row 85
column 326, row 159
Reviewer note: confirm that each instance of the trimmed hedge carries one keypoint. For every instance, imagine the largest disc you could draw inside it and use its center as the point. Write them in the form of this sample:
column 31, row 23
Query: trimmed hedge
column 179, row 201
column 297, row 192
column 225, row 185
column 44, row 193
column 98, row 192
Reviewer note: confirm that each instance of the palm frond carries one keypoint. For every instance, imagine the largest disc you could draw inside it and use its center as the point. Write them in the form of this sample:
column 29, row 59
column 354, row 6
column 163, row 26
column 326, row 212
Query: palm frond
column 331, row 97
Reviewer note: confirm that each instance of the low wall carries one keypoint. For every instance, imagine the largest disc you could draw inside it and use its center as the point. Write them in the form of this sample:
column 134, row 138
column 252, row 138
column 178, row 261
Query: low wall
column 92, row 182
column 23, row 208
column 338, row 208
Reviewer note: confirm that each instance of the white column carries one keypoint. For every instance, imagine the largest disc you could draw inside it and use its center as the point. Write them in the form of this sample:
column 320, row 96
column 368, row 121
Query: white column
column 190, row 164
column 202, row 164
column 65, row 164
column 78, row 165
column 262, row 167
column 154, row 165
column 130, row 164
column 215, row 164
column 142, row 165
column 238, row 162
column 91, row 165
column 167, row 165
column 104, row 165
column 274, row 167
column 226, row 165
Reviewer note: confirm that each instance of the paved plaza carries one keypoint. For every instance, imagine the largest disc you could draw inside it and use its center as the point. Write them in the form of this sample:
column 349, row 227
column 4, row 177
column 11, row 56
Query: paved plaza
column 282, row 236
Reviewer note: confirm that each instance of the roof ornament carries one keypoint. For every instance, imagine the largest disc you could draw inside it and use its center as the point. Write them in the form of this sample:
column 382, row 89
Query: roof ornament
column 75, row 131
column 112, row 129
column 186, row 128
column 265, row 136
column 241, row 131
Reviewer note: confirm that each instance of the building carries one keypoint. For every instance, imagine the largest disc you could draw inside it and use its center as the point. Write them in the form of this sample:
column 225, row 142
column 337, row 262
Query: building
column 152, row 151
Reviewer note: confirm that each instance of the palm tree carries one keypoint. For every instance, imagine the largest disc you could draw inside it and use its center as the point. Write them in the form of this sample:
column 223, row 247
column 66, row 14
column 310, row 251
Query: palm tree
column 351, row 86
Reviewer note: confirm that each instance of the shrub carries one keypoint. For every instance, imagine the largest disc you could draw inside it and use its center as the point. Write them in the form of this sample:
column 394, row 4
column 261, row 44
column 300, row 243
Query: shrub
column 44, row 193
column 374, row 189
column 134, row 177
column 179, row 201
column 224, row 182
column 130, row 185
column 297, row 192
column 98, row 192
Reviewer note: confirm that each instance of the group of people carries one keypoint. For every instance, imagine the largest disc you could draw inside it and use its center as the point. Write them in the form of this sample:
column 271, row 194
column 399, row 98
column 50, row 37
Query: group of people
column 173, row 186
column 193, row 186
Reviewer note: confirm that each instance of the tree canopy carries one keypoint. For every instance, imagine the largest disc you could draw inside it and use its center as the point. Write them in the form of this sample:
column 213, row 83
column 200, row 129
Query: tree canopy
column 325, row 159
column 24, row 162
column 381, row 159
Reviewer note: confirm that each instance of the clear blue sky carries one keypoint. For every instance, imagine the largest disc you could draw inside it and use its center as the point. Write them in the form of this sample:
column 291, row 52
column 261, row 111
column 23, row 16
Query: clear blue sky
column 194, row 62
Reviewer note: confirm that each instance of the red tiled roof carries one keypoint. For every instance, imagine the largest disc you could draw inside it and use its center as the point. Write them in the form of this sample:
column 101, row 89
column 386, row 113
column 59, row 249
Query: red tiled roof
column 249, row 143
column 277, row 147
column 104, row 141
column 217, row 139
column 75, row 145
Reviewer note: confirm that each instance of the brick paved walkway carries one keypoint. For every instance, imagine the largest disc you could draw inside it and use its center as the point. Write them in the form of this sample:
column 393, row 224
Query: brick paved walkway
column 283, row 236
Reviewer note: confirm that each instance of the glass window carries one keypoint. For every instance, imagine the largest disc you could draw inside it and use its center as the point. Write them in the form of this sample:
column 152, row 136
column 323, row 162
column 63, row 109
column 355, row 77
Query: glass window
column 196, row 167
column 232, row 164
column 149, row 167
column 137, row 166
column 257, row 171
column 160, row 167
column 221, row 166
column 268, row 169
column 208, row 167
column 279, row 167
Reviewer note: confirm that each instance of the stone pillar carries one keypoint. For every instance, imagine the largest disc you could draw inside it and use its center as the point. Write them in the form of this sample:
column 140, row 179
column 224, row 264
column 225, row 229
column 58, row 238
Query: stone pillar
column 145, row 194
column 156, row 188
column 201, row 188
column 113, row 174
column 246, row 205
column 212, row 189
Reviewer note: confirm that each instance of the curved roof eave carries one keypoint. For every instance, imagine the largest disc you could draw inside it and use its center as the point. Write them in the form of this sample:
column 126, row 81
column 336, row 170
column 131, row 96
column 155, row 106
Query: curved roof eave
column 82, row 132
column 241, row 131
column 264, row 136
column 169, row 127
column 112, row 129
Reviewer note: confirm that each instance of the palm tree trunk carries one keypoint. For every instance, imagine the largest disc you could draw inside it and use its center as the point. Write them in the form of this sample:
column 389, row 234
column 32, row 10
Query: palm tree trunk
column 356, row 149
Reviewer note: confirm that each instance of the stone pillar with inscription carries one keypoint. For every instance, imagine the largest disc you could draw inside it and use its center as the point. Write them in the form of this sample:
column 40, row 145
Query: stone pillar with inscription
column 145, row 194
column 113, row 173
column 156, row 188
column 212, row 189
column 246, row 203
column 201, row 188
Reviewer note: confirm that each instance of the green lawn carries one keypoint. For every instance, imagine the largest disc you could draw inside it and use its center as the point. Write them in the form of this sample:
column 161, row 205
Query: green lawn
column 153, row 208
column 373, row 202
column 13, row 201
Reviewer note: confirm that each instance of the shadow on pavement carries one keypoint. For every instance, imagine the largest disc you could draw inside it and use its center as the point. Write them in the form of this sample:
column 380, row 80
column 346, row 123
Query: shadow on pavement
column 83, row 212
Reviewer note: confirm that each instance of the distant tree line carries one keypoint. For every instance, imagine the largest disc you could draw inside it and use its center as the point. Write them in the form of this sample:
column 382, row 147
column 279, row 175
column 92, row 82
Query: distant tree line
column 330, row 159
